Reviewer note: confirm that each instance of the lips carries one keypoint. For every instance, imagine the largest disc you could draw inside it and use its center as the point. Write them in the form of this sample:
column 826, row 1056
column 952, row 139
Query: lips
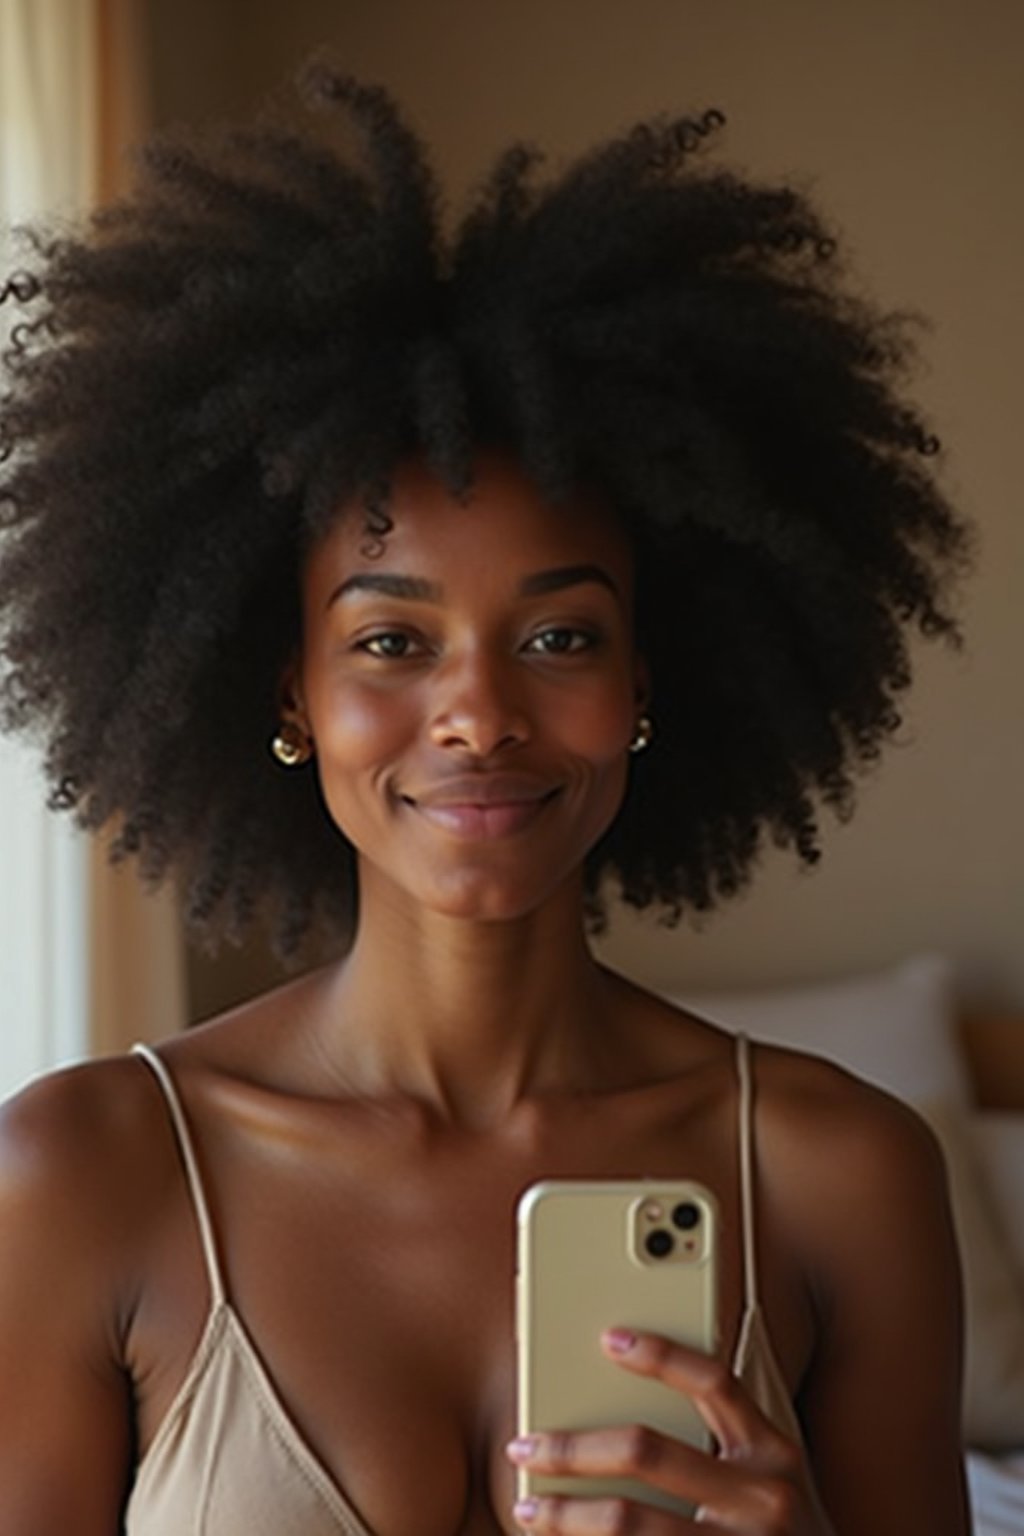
column 484, row 805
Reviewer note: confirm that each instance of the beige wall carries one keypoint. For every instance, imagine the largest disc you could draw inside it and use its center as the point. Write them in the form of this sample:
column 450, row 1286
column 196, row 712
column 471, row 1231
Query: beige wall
column 907, row 115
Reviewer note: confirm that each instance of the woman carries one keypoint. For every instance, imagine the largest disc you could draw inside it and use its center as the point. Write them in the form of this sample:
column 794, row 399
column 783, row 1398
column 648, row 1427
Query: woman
column 461, row 528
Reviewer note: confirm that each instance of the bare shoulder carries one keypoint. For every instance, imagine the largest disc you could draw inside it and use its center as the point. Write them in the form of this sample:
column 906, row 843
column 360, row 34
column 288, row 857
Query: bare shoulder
column 73, row 1116
column 838, row 1157
column 824, row 1136
column 806, row 1104
column 79, row 1149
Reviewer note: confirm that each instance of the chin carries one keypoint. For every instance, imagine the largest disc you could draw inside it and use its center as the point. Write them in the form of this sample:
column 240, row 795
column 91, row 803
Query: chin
column 481, row 899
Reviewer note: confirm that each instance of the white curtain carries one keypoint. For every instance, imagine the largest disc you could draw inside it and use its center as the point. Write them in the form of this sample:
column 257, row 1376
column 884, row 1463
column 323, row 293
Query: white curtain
column 87, row 962
column 48, row 106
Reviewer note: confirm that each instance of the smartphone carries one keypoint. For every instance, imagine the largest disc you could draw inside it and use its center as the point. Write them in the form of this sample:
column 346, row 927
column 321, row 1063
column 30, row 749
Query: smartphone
column 596, row 1255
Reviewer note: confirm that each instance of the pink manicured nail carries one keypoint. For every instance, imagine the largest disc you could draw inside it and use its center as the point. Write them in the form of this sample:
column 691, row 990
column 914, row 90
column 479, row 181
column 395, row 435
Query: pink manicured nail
column 526, row 1509
column 619, row 1339
column 523, row 1448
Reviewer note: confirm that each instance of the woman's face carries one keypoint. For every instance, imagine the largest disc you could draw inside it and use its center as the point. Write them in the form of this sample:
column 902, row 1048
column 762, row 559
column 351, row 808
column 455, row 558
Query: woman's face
column 471, row 691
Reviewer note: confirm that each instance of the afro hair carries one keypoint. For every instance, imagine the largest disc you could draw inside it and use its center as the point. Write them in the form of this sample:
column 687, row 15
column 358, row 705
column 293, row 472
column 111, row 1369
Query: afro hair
column 273, row 320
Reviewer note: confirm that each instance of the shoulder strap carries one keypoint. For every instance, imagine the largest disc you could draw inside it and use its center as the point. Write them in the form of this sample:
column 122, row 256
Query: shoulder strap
column 744, row 1069
column 188, row 1157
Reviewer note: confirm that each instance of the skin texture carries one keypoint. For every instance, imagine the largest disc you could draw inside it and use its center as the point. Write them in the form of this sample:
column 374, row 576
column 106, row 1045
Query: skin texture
column 365, row 1132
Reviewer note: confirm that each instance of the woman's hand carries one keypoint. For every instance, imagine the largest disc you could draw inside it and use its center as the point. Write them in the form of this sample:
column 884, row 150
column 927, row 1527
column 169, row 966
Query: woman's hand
column 759, row 1483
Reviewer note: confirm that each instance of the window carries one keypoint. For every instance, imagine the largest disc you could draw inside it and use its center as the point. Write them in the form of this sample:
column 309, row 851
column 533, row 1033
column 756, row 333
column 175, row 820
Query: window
column 47, row 158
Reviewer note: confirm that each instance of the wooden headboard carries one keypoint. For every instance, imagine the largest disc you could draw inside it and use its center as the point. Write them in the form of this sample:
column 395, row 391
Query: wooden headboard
column 994, row 1045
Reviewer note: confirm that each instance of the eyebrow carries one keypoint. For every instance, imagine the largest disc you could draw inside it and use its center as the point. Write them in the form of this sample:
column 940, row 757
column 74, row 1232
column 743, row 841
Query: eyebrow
column 418, row 589
column 565, row 576
column 415, row 588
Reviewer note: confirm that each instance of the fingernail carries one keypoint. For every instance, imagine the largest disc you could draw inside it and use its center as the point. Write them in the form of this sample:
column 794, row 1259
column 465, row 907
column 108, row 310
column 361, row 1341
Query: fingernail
column 619, row 1339
column 523, row 1448
column 526, row 1509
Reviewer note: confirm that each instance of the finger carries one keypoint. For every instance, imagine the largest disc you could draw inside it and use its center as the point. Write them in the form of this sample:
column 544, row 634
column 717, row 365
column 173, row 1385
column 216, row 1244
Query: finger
column 555, row 1515
column 634, row 1451
column 732, row 1416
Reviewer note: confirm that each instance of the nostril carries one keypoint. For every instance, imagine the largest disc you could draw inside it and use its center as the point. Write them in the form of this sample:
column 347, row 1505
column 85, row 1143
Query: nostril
column 478, row 735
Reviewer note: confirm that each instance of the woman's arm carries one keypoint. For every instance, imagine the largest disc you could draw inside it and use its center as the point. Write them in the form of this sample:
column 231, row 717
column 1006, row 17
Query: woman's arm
column 882, row 1401
column 854, row 1185
column 65, row 1406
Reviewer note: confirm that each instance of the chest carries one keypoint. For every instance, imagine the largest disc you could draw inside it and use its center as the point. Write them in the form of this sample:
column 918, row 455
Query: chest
column 373, row 1272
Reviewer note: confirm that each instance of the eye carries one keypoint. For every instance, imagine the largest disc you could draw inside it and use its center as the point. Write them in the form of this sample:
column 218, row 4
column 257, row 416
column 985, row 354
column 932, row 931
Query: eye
column 561, row 641
column 389, row 645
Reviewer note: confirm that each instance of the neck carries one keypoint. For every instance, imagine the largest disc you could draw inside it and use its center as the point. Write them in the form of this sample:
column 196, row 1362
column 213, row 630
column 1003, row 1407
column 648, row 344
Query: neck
column 471, row 1018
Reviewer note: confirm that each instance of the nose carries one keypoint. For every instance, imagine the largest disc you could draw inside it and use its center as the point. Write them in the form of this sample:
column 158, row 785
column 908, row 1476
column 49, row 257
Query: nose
column 479, row 708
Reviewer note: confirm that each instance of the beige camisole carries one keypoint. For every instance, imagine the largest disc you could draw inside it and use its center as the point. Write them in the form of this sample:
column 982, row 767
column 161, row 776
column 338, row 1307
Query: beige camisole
column 228, row 1459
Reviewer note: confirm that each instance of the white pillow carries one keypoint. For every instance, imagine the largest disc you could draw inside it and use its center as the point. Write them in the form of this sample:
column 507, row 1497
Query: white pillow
column 897, row 1029
column 999, row 1144
column 993, row 1292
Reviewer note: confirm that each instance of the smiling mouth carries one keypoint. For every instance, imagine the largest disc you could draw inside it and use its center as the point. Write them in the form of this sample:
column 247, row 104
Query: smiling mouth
column 470, row 819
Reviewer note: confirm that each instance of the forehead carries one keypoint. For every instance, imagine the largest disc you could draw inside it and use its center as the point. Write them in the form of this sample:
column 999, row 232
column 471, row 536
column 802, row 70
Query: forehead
column 505, row 525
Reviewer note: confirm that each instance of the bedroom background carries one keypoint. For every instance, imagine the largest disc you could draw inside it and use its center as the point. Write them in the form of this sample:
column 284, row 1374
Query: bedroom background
column 906, row 117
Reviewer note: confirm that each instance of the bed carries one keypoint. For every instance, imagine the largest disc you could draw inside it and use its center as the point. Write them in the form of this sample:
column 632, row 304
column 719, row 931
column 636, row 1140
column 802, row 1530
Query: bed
column 905, row 1029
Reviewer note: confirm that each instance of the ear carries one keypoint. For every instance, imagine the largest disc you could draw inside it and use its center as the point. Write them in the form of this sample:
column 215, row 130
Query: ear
column 291, row 700
column 641, row 684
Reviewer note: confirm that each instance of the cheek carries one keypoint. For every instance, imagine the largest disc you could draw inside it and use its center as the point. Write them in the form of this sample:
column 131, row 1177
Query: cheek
column 359, row 733
column 609, row 727
column 356, row 726
column 597, row 725
column 596, row 731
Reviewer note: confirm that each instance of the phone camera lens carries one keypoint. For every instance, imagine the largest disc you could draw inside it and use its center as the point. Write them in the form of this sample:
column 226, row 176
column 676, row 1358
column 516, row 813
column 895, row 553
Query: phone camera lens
column 686, row 1216
column 659, row 1243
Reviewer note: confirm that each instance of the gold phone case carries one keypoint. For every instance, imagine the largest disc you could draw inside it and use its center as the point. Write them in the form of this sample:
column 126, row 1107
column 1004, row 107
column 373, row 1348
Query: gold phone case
column 595, row 1255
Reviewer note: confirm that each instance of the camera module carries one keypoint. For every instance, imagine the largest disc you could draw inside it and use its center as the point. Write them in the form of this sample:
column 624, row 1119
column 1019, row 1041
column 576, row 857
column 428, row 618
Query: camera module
column 659, row 1243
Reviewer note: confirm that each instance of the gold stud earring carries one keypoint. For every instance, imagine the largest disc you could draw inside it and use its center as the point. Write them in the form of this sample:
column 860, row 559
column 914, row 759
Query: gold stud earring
column 643, row 735
column 291, row 746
